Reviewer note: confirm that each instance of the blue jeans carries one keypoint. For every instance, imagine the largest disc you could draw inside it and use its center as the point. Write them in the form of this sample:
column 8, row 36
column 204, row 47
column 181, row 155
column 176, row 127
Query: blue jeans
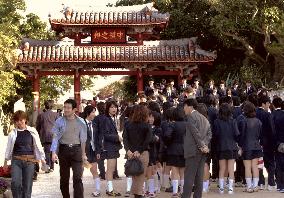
column 22, row 178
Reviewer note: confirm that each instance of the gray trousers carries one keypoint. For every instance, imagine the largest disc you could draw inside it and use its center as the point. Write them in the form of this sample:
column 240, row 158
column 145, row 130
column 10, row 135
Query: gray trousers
column 193, row 175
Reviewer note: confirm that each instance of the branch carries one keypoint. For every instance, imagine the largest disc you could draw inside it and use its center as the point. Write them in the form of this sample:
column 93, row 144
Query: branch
column 249, row 49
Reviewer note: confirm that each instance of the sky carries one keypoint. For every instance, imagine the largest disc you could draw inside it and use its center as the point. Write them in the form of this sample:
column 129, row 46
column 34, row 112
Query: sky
column 43, row 7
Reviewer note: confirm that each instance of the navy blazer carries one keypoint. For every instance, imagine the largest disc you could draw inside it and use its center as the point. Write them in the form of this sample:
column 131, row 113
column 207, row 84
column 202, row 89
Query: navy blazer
column 278, row 119
column 226, row 133
column 111, row 141
column 250, row 130
column 98, row 123
column 236, row 112
column 268, row 129
column 173, row 138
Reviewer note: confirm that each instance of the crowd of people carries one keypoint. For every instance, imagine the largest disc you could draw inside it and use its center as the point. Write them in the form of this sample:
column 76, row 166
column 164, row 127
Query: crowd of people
column 186, row 138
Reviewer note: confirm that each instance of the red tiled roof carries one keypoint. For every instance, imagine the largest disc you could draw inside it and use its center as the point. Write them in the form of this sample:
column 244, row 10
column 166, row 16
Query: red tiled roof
column 126, row 16
column 157, row 54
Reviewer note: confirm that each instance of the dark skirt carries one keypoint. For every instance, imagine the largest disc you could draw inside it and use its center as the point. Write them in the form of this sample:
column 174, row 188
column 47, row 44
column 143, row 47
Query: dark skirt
column 110, row 155
column 175, row 160
column 91, row 155
column 252, row 154
column 227, row 155
column 152, row 159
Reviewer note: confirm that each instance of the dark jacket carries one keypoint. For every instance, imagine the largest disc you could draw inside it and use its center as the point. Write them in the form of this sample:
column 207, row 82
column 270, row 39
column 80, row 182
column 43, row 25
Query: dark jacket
column 98, row 123
column 226, row 133
column 137, row 136
column 89, row 147
column 198, row 134
column 111, row 141
column 278, row 119
column 44, row 124
column 199, row 92
column 237, row 111
column 173, row 138
column 268, row 130
column 250, row 130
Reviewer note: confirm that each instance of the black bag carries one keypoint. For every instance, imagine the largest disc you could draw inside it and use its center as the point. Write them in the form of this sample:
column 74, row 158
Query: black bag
column 133, row 167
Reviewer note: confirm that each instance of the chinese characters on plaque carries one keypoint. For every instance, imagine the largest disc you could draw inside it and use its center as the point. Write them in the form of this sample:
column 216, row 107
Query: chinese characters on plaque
column 108, row 35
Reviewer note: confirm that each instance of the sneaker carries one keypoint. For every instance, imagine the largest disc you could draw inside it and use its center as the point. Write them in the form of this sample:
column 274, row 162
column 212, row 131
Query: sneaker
column 175, row 195
column 221, row 190
column 205, row 190
column 113, row 194
column 151, row 195
column 255, row 189
column 96, row 194
column 248, row 190
column 231, row 191
column 127, row 194
column 271, row 188
column 281, row 191
column 261, row 187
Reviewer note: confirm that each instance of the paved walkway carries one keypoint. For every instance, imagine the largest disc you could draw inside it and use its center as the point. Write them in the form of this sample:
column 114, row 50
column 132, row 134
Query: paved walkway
column 47, row 185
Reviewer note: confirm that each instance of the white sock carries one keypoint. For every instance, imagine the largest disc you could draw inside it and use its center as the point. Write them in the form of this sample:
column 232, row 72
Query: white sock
column 231, row 183
column 255, row 182
column 166, row 181
column 98, row 184
column 128, row 184
column 175, row 186
column 206, row 185
column 144, row 187
column 151, row 183
column 181, row 185
column 221, row 183
column 157, row 182
column 109, row 186
column 248, row 181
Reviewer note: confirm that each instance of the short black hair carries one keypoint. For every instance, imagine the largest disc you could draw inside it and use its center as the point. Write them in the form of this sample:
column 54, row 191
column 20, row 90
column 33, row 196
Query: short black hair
column 249, row 109
column 72, row 102
column 225, row 111
column 154, row 106
column 236, row 101
column 191, row 102
column 262, row 100
column 211, row 100
column 201, row 108
column 48, row 104
column 108, row 105
column 87, row 111
column 178, row 114
column 157, row 118
column 277, row 102
column 101, row 107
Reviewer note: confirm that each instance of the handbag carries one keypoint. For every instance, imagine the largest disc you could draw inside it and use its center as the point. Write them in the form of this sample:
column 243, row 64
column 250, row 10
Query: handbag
column 133, row 167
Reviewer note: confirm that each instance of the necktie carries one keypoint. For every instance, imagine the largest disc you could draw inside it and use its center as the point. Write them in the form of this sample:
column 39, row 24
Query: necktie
column 92, row 135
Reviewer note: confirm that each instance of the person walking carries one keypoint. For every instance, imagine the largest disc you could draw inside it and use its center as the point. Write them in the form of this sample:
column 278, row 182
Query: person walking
column 44, row 124
column 92, row 146
column 137, row 136
column 68, row 145
column 24, row 149
column 196, row 141
column 111, row 144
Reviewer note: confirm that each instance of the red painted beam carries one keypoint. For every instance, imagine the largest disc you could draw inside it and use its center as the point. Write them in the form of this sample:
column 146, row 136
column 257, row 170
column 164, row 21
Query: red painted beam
column 161, row 73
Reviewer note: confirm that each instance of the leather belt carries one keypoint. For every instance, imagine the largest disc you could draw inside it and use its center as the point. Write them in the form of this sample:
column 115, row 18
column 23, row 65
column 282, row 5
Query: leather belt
column 26, row 158
column 70, row 145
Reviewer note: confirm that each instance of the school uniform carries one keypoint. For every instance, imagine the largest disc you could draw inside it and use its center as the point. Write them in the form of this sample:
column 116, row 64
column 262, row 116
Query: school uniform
column 250, row 132
column 91, row 142
column 111, row 143
column 278, row 119
column 226, row 133
column 174, row 140
column 268, row 143
column 154, row 145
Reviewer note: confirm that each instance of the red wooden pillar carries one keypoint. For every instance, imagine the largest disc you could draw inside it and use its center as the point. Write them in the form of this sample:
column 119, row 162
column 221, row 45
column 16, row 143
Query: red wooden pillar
column 180, row 75
column 77, row 88
column 139, row 81
column 140, row 39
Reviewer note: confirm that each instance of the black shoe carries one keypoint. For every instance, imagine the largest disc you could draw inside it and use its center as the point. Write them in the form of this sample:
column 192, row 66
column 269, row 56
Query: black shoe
column 169, row 190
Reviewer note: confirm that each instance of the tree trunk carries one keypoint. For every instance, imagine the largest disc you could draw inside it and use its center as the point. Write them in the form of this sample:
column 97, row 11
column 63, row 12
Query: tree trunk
column 278, row 75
